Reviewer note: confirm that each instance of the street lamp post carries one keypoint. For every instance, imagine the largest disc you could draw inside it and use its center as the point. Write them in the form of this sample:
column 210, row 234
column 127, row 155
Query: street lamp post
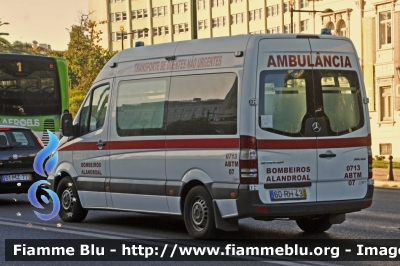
column 327, row 10
column 122, row 37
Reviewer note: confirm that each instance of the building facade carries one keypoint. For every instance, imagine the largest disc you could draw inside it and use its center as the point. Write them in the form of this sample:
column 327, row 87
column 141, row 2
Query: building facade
column 373, row 26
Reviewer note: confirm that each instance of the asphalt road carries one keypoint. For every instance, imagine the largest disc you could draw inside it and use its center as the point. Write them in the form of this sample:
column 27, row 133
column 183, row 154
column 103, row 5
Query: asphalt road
column 17, row 221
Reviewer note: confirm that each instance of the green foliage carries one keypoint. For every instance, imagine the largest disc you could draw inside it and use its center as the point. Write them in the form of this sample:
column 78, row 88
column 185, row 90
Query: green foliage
column 3, row 41
column 20, row 48
column 379, row 158
column 85, row 58
column 384, row 164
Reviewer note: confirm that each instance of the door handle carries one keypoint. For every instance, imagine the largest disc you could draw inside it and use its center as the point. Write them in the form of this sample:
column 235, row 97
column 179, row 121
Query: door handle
column 100, row 144
column 327, row 155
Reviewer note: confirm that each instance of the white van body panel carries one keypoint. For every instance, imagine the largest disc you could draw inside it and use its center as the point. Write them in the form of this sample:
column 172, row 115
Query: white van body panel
column 179, row 116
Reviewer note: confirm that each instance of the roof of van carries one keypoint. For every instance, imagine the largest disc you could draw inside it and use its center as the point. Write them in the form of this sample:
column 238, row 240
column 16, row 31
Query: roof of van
column 206, row 45
column 198, row 46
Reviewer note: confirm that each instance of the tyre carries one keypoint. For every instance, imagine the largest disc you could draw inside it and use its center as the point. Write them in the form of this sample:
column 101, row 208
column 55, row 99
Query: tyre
column 70, row 205
column 199, row 214
column 314, row 225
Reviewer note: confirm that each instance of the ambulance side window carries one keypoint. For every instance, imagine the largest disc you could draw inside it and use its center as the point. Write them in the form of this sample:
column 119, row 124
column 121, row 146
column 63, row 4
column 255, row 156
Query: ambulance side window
column 84, row 117
column 140, row 107
column 203, row 105
column 94, row 110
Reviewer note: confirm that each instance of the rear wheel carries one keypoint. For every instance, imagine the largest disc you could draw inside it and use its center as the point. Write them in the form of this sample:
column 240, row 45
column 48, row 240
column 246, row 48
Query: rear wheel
column 199, row 214
column 314, row 225
column 71, row 209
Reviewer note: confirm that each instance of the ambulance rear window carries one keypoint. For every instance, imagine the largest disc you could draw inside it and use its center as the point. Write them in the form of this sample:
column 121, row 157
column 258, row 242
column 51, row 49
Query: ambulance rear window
column 289, row 97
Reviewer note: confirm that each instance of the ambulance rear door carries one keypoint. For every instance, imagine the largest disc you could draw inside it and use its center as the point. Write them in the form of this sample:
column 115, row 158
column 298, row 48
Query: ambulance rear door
column 287, row 155
column 341, row 120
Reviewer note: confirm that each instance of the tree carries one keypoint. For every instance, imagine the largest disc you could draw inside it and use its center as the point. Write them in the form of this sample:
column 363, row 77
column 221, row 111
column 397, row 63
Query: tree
column 3, row 42
column 85, row 58
column 18, row 47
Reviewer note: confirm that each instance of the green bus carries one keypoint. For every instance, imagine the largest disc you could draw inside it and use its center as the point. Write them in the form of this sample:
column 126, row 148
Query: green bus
column 33, row 92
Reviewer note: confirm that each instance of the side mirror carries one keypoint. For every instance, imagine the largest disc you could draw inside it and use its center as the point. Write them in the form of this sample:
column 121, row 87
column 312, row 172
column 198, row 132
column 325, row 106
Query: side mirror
column 66, row 125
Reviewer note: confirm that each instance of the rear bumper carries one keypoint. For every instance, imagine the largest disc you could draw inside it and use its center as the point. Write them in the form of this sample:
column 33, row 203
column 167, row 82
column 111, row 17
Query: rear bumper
column 249, row 205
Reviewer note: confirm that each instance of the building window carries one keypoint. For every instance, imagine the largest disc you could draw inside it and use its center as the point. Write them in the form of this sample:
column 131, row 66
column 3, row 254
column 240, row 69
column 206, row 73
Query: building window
column 255, row 14
column 116, row 1
column 218, row 22
column 286, row 28
column 139, row 14
column 216, row 3
column 180, row 8
column 273, row 10
column 236, row 1
column 304, row 25
column 274, row 30
column 160, row 31
column 160, row 11
column 386, row 103
column 385, row 31
column 385, row 148
column 256, row 32
column 136, row 34
column 118, row 16
column 181, row 28
column 341, row 29
column 202, row 4
column 331, row 26
column 304, row 3
column 286, row 7
column 237, row 18
column 203, row 24
column 117, row 36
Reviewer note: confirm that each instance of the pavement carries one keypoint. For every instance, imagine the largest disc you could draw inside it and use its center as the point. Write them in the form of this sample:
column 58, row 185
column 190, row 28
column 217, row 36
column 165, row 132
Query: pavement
column 380, row 176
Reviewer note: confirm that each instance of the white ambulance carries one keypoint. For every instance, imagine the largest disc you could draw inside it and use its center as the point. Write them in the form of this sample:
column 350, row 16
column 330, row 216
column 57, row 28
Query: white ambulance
column 215, row 130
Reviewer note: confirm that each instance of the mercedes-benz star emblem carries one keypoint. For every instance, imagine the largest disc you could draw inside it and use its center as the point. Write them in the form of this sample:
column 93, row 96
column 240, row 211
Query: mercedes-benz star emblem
column 316, row 127
column 15, row 156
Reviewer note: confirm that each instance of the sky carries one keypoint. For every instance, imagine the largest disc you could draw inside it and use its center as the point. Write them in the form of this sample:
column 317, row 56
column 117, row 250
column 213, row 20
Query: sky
column 45, row 21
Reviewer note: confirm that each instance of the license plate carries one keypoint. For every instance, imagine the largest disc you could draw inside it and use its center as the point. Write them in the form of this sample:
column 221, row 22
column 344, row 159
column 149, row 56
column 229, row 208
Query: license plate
column 16, row 177
column 288, row 194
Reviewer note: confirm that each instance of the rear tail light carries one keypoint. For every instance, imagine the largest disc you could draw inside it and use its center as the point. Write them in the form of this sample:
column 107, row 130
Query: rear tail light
column 38, row 139
column 4, row 128
column 367, row 203
column 370, row 173
column 248, row 160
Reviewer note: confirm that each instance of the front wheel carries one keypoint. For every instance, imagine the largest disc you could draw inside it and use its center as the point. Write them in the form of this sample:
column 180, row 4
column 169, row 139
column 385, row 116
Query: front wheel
column 71, row 209
column 199, row 214
column 314, row 225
